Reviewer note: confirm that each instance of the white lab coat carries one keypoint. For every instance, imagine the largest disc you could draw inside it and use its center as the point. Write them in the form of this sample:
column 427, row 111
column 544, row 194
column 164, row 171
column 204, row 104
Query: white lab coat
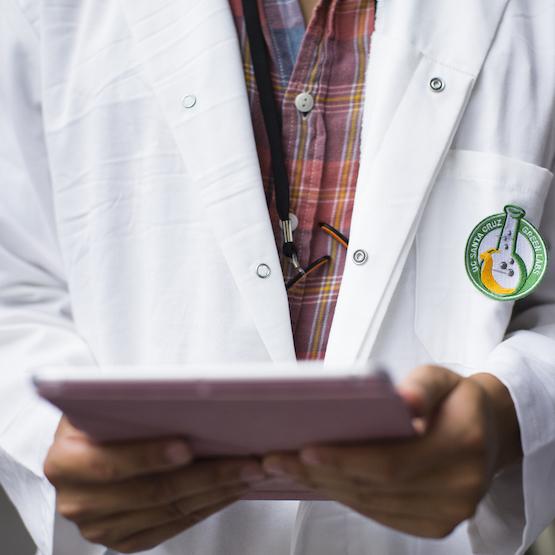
column 131, row 229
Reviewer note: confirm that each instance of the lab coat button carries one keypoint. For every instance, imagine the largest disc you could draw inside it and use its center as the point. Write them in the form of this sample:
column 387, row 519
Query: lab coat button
column 437, row 84
column 189, row 101
column 263, row 271
column 360, row 256
column 304, row 102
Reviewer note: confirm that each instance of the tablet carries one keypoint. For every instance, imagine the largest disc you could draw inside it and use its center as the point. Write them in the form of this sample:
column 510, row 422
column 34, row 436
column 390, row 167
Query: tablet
column 232, row 410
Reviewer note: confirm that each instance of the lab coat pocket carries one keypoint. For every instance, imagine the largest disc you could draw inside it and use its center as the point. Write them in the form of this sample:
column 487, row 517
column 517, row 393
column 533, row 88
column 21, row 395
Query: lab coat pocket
column 456, row 322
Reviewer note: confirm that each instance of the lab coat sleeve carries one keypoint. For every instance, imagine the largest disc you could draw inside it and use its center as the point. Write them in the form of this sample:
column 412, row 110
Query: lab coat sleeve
column 521, row 502
column 36, row 326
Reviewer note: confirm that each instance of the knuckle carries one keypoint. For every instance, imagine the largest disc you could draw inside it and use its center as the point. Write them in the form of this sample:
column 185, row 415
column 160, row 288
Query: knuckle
column 52, row 467
column 176, row 510
column 94, row 534
column 52, row 470
column 475, row 440
column 105, row 471
column 73, row 510
column 154, row 456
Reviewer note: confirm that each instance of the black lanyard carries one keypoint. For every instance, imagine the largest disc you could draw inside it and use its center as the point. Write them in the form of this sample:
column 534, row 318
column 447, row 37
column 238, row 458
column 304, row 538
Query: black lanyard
column 261, row 66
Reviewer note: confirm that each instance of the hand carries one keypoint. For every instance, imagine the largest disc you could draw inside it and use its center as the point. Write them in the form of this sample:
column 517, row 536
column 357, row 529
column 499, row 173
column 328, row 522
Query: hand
column 425, row 486
column 133, row 496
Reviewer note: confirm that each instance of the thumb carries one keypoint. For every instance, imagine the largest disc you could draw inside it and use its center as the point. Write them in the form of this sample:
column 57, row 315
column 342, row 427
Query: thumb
column 426, row 387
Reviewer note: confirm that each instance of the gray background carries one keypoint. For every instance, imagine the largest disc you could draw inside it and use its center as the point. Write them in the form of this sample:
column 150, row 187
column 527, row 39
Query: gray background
column 15, row 541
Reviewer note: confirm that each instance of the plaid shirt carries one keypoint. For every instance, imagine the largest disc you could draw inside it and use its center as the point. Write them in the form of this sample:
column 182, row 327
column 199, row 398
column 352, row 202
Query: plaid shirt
column 322, row 148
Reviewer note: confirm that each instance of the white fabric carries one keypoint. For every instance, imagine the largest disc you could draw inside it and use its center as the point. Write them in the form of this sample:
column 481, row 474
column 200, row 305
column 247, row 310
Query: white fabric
column 131, row 229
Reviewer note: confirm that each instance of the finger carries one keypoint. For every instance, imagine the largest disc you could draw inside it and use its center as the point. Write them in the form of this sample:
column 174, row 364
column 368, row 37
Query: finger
column 425, row 463
column 75, row 459
column 449, row 482
column 84, row 503
column 426, row 387
column 113, row 529
column 377, row 463
column 151, row 538
column 445, row 480
column 437, row 506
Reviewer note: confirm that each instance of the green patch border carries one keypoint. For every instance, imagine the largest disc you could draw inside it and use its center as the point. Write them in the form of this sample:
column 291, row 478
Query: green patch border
column 532, row 281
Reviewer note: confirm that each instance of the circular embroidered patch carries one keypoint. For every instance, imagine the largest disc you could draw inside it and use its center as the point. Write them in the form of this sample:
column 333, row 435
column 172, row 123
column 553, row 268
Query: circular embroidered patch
column 505, row 256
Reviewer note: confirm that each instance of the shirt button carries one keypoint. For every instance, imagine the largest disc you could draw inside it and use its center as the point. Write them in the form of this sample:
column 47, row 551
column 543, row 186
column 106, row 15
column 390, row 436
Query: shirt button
column 360, row 256
column 263, row 271
column 189, row 101
column 304, row 102
column 294, row 221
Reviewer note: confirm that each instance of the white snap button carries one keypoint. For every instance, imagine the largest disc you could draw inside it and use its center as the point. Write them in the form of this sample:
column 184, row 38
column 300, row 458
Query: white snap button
column 360, row 256
column 437, row 84
column 304, row 102
column 189, row 101
column 263, row 271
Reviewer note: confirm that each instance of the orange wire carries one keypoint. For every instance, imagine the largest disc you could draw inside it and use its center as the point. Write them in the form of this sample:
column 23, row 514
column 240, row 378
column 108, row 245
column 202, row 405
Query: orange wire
column 334, row 234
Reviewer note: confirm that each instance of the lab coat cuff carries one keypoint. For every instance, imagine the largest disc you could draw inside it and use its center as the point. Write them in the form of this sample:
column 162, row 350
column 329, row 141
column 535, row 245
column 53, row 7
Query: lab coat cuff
column 24, row 443
column 34, row 499
column 519, row 504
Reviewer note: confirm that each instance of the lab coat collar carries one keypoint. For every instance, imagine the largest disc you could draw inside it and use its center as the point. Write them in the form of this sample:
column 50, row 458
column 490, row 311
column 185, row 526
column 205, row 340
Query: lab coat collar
column 191, row 55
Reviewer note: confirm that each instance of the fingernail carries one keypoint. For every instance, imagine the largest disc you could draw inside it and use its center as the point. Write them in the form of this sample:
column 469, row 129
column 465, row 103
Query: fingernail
column 178, row 453
column 252, row 474
column 310, row 457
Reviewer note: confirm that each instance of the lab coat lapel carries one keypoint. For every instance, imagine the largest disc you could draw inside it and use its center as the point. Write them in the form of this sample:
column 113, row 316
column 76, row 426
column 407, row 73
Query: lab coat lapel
column 191, row 55
column 407, row 130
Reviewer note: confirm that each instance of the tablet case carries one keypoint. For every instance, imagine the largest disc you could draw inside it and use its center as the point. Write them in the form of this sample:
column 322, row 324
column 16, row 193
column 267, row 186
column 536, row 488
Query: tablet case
column 236, row 418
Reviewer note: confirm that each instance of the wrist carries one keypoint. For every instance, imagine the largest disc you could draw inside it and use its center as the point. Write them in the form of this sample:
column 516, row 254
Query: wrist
column 505, row 420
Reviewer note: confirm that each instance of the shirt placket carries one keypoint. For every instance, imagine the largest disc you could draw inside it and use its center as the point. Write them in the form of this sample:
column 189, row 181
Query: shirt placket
column 321, row 148
column 304, row 137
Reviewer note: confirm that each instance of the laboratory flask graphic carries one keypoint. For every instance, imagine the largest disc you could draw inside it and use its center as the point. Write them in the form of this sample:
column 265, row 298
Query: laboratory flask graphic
column 506, row 257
